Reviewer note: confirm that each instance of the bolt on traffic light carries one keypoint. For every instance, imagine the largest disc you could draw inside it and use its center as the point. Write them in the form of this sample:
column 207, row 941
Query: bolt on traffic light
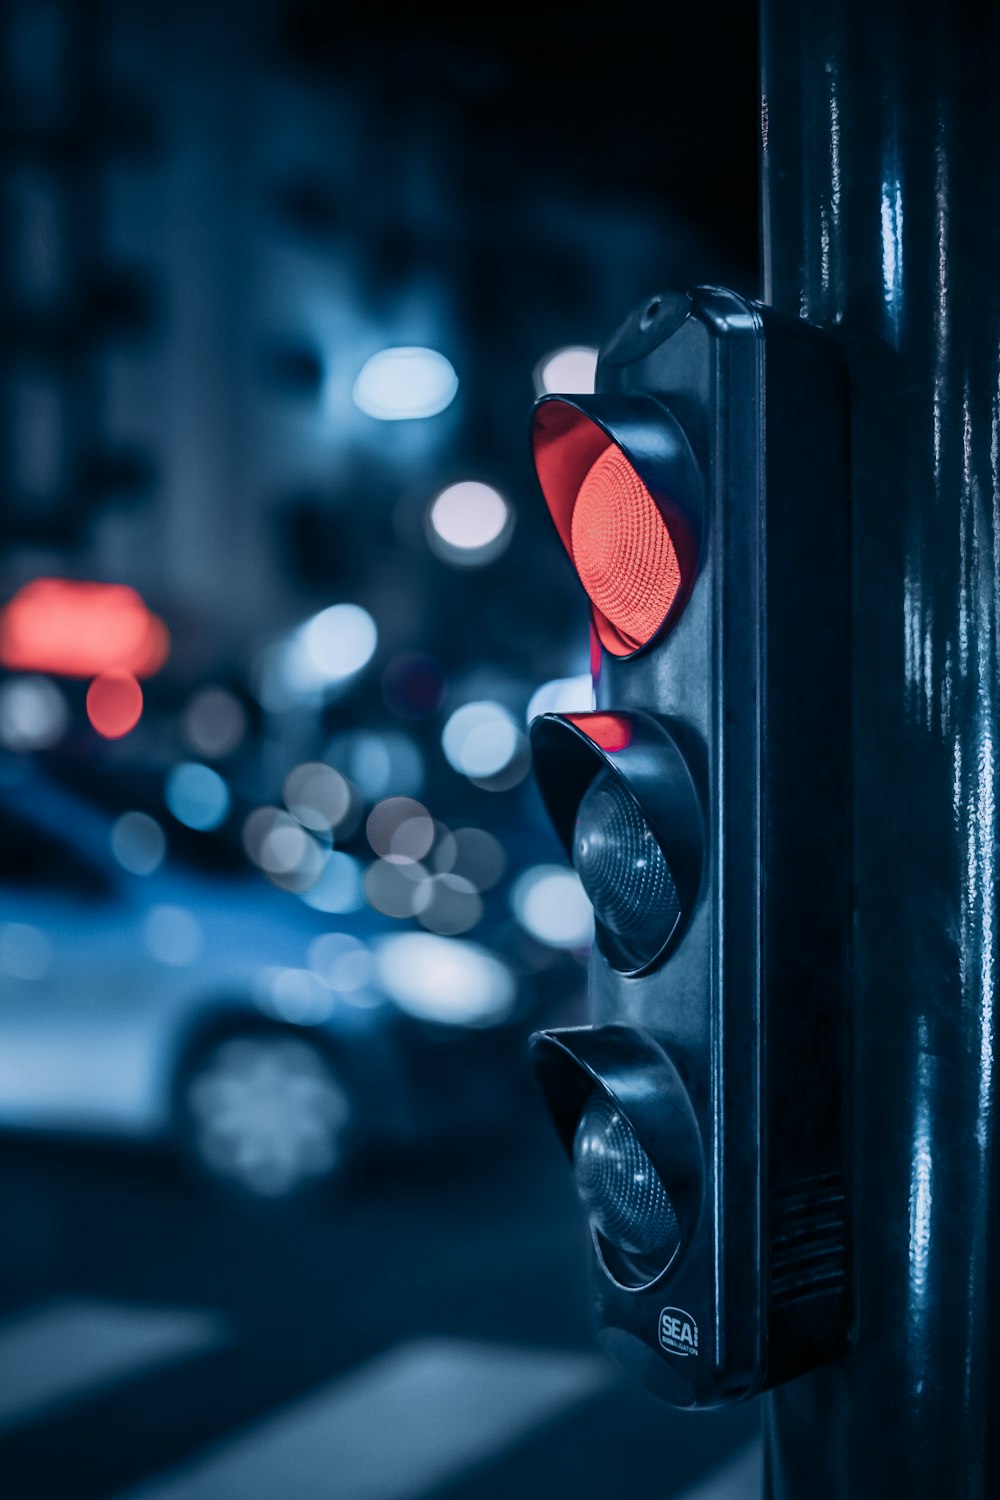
column 701, row 495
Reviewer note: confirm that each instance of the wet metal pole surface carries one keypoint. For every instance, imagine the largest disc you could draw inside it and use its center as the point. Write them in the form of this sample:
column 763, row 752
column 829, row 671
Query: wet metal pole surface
column 881, row 146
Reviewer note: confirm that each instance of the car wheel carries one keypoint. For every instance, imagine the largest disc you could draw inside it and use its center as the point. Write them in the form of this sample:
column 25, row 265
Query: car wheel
column 263, row 1115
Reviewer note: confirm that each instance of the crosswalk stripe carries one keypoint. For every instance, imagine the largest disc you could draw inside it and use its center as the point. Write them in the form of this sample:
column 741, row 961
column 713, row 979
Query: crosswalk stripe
column 59, row 1352
column 399, row 1426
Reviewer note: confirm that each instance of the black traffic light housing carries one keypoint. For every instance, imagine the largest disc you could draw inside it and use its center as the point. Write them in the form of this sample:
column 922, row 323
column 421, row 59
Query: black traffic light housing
column 704, row 803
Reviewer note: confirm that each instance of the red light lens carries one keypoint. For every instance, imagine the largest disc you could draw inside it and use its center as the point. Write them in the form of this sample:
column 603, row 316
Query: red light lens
column 623, row 551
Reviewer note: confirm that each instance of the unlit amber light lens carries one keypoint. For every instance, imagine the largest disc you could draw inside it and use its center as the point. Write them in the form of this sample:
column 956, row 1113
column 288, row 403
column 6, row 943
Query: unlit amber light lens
column 622, row 549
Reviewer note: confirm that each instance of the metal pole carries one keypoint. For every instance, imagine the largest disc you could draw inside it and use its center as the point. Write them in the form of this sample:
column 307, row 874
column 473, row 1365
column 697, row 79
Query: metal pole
column 881, row 220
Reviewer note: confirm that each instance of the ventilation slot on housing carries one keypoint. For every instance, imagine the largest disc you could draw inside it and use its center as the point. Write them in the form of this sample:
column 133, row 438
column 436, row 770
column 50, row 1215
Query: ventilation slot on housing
column 808, row 1238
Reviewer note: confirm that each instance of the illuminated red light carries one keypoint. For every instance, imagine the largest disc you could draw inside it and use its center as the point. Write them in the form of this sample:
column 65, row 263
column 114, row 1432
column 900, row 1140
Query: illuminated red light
column 81, row 629
column 625, row 512
column 622, row 549
column 114, row 704
column 609, row 732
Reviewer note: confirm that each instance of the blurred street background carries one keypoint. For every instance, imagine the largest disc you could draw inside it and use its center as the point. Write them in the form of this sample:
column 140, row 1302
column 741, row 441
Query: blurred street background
column 279, row 905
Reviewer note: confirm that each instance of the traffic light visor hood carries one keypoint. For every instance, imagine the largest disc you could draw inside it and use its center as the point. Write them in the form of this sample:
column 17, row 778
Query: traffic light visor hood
column 622, row 800
column 650, row 1172
column 623, row 489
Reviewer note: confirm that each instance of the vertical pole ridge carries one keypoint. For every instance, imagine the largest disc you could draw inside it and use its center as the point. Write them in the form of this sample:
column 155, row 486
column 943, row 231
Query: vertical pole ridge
column 881, row 220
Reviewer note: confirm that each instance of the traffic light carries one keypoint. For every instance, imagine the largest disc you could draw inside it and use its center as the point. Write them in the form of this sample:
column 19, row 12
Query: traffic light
column 701, row 495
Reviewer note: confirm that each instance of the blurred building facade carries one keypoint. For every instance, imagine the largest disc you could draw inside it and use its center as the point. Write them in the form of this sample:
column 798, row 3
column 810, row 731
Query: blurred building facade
column 217, row 221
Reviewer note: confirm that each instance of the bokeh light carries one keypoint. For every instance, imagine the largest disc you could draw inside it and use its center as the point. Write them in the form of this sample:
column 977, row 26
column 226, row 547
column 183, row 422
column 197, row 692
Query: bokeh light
column 473, row 854
column 214, row 722
column 173, row 935
column 278, row 844
column 317, row 659
column 319, row 797
column 343, row 962
column 395, row 889
column 378, row 764
column 482, row 741
column 448, row 904
column 25, row 951
column 337, row 642
column 406, row 382
column 400, row 830
column 551, row 905
column 570, row 371
column 197, row 796
column 469, row 524
column 138, row 843
column 33, row 714
column 444, row 979
column 114, row 704
column 562, row 695
column 79, row 628
column 295, row 995
column 340, row 887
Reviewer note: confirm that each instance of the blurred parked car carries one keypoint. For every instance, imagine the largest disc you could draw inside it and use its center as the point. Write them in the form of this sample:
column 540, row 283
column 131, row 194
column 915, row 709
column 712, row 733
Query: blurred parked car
column 270, row 1043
